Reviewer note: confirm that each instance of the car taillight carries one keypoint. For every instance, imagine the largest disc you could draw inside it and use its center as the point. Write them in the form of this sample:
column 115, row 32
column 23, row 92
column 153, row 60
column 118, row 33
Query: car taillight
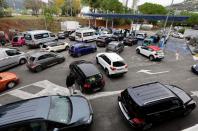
column 137, row 120
column 126, row 66
column 87, row 85
column 113, row 68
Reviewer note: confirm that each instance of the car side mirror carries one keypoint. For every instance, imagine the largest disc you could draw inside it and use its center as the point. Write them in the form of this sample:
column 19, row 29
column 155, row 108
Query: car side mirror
column 56, row 129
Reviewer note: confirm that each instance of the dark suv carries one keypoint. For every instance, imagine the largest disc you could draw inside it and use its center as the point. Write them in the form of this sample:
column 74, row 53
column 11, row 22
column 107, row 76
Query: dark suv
column 102, row 41
column 154, row 102
column 87, row 76
column 48, row 113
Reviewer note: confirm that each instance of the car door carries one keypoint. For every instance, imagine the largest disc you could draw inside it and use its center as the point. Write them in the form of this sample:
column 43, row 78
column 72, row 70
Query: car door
column 13, row 56
column 144, row 51
column 60, row 46
column 51, row 59
column 3, row 60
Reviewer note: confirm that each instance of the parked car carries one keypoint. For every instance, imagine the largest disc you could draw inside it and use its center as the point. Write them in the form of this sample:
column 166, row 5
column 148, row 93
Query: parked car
column 115, row 46
column 117, row 36
column 112, row 63
column 102, row 41
column 8, row 80
column 61, row 35
column 88, row 77
column 47, row 113
column 55, row 46
column 85, row 35
column 79, row 49
column 130, row 41
column 141, row 36
column 147, row 104
column 18, row 41
column 11, row 57
column 72, row 36
column 44, row 59
column 177, row 35
column 152, row 52
column 37, row 38
column 194, row 68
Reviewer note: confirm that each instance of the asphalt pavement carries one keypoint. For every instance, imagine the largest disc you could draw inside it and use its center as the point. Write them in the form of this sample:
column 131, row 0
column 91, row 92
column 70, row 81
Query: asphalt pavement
column 107, row 116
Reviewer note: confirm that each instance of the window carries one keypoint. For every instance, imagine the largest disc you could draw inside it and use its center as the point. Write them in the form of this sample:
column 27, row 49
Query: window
column 12, row 52
column 32, row 59
column 15, row 39
column 28, row 37
column 52, row 35
column 118, row 64
column 41, row 36
column 78, row 34
column 88, row 34
column 42, row 57
column 106, row 59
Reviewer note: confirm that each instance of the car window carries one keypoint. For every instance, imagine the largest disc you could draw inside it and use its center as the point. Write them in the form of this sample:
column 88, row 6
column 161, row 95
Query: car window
column 88, row 34
column 107, row 59
column 32, row 59
column 118, row 64
column 52, row 35
column 15, row 39
column 78, row 34
column 145, row 48
column 12, row 52
column 41, row 36
column 60, row 43
column 42, row 57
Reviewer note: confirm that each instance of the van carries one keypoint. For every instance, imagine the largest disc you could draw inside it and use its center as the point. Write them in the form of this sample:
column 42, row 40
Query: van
column 37, row 38
column 10, row 58
column 85, row 35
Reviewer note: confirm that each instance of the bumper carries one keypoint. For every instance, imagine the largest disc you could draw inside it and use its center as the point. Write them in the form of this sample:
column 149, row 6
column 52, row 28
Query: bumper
column 118, row 72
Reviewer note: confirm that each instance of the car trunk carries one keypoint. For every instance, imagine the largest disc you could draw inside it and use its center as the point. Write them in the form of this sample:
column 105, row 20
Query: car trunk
column 96, row 82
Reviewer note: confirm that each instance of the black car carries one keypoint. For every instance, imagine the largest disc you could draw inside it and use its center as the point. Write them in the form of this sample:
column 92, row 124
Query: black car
column 151, row 103
column 117, row 36
column 115, row 46
column 130, row 41
column 41, row 60
column 88, row 77
column 102, row 41
column 194, row 68
column 47, row 113
column 61, row 35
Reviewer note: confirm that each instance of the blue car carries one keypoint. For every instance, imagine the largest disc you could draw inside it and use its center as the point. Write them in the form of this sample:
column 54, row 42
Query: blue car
column 80, row 49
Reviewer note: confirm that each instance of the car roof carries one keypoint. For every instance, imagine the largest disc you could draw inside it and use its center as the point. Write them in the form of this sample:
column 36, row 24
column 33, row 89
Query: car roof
column 114, row 57
column 155, row 48
column 38, row 54
column 148, row 93
column 82, row 30
column 36, row 108
column 38, row 32
column 79, row 44
column 114, row 43
column 88, row 68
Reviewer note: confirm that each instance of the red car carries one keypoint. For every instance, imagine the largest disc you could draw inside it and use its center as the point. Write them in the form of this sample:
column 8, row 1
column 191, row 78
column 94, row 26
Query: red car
column 18, row 41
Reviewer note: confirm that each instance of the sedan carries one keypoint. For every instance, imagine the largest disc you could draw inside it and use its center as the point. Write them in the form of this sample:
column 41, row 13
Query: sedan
column 8, row 80
column 41, row 60
column 115, row 46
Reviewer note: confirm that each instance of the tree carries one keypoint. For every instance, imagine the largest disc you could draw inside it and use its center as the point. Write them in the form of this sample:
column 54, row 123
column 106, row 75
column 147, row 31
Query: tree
column 93, row 4
column 58, row 4
column 150, row 8
column 3, row 5
column 193, row 20
column 71, row 7
column 34, row 5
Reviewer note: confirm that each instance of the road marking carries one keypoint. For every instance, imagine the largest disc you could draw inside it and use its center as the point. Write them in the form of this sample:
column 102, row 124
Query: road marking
column 150, row 73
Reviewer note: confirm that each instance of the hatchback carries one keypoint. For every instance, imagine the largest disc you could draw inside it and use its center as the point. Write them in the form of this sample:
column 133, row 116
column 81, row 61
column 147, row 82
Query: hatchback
column 8, row 80
column 18, row 41
column 130, row 40
column 41, row 60
column 80, row 49
column 88, row 77
column 115, row 46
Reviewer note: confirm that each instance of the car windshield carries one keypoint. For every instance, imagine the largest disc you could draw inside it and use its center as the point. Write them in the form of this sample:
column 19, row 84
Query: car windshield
column 118, row 63
column 28, row 37
column 60, row 109
column 111, row 46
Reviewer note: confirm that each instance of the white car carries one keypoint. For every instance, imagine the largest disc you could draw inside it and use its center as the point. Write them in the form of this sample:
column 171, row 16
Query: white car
column 55, row 46
column 152, row 52
column 178, row 35
column 112, row 63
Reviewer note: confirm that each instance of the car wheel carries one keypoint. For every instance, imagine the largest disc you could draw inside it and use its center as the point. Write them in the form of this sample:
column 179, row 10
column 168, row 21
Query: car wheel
column 107, row 72
column 38, row 69
column 187, row 112
column 151, row 58
column 97, row 60
column 11, row 84
column 138, row 51
column 67, row 48
column 22, row 61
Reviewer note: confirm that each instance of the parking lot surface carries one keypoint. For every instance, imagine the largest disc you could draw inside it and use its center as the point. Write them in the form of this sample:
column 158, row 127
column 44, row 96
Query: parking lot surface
column 107, row 116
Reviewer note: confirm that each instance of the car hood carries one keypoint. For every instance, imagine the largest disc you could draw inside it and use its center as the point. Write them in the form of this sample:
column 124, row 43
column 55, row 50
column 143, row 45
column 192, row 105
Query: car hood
column 8, row 76
column 81, row 110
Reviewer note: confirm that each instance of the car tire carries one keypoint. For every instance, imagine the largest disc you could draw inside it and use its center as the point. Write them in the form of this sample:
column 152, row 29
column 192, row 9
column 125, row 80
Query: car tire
column 97, row 61
column 11, row 84
column 151, row 58
column 138, row 51
column 67, row 48
column 22, row 61
column 38, row 69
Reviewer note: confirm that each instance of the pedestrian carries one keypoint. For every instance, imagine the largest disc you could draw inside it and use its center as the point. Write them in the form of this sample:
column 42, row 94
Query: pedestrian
column 70, row 81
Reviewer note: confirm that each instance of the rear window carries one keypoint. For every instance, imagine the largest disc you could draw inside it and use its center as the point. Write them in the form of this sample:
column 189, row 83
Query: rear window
column 94, row 78
column 77, row 34
column 41, row 36
column 88, row 34
column 15, row 39
column 28, row 37
column 118, row 64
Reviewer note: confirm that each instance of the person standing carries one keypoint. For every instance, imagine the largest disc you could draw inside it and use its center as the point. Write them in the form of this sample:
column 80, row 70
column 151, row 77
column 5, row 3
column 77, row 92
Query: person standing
column 70, row 81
